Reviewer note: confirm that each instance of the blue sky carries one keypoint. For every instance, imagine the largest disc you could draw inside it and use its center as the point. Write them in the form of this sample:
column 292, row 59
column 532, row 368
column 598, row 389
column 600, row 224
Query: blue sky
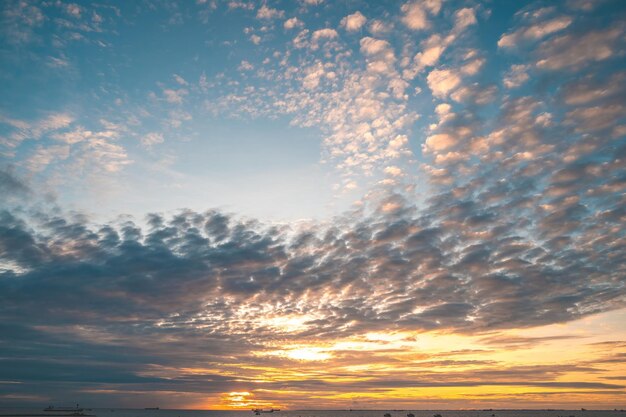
column 212, row 102
column 215, row 193
column 213, row 98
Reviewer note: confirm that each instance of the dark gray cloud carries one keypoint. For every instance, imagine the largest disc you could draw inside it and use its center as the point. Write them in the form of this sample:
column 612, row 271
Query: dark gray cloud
column 11, row 186
column 105, row 304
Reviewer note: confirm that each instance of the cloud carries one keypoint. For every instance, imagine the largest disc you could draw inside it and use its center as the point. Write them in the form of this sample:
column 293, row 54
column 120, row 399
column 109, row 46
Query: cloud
column 80, row 150
column 589, row 89
column 180, row 80
column 379, row 27
column 265, row 12
column 175, row 96
column 245, row 66
column 416, row 13
column 434, row 46
column 74, row 10
column 464, row 18
column 442, row 82
column 511, row 217
column 516, row 76
column 35, row 130
column 326, row 33
column 182, row 267
column 573, row 51
column 353, row 22
column 596, row 117
column 255, row 39
column 151, row 139
column 293, row 22
column 11, row 185
column 440, row 142
column 20, row 21
column 176, row 305
column 534, row 32
column 475, row 93
column 235, row 4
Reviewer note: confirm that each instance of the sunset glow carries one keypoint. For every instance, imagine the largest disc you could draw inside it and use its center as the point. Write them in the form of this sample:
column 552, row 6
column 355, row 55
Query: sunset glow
column 313, row 204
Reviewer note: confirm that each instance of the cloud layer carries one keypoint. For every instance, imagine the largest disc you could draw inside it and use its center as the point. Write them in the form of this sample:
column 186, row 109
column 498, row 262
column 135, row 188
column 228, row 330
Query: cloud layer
column 490, row 178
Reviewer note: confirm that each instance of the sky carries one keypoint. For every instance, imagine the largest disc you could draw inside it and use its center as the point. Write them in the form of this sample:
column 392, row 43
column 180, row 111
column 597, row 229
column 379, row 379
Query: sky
column 313, row 204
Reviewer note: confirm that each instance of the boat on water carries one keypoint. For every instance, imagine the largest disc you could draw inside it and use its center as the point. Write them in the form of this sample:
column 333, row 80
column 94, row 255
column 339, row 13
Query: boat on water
column 258, row 411
column 151, row 408
column 54, row 409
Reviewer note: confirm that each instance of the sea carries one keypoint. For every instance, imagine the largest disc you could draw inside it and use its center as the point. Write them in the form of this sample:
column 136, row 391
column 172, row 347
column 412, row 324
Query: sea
column 122, row 412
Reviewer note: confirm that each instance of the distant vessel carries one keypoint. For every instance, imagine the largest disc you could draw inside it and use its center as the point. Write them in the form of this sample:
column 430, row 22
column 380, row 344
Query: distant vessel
column 151, row 408
column 258, row 411
column 62, row 409
column 73, row 411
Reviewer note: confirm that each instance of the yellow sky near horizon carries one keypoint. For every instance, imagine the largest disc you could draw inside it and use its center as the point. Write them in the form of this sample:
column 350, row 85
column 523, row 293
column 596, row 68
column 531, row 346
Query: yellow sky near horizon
column 569, row 365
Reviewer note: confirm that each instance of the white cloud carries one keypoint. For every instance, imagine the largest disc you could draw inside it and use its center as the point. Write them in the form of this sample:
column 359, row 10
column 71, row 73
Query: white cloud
column 255, row 39
column 393, row 171
column 439, row 142
column 398, row 87
column 35, row 130
column 516, row 76
column 321, row 34
column 324, row 34
column 473, row 66
column 603, row 116
column 52, row 122
column 416, row 13
column 234, row 4
column 463, row 18
column 441, row 82
column 292, row 23
column 301, row 39
column 378, row 27
column 353, row 22
column 180, row 80
column 313, row 76
column 475, row 93
column 371, row 46
column 45, row 155
column 588, row 90
column 380, row 59
column 534, row 32
column 19, row 20
column 82, row 152
column 434, row 46
column 73, row 10
column 55, row 62
column 265, row 12
column 75, row 136
column 151, row 139
column 245, row 66
column 174, row 96
column 572, row 52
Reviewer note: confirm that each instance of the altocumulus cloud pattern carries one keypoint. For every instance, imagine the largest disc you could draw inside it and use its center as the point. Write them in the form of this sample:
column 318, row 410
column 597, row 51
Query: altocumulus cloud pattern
column 486, row 146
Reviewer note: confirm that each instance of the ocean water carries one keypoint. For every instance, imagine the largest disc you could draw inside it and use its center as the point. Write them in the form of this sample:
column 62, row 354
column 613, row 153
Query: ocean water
column 120, row 412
